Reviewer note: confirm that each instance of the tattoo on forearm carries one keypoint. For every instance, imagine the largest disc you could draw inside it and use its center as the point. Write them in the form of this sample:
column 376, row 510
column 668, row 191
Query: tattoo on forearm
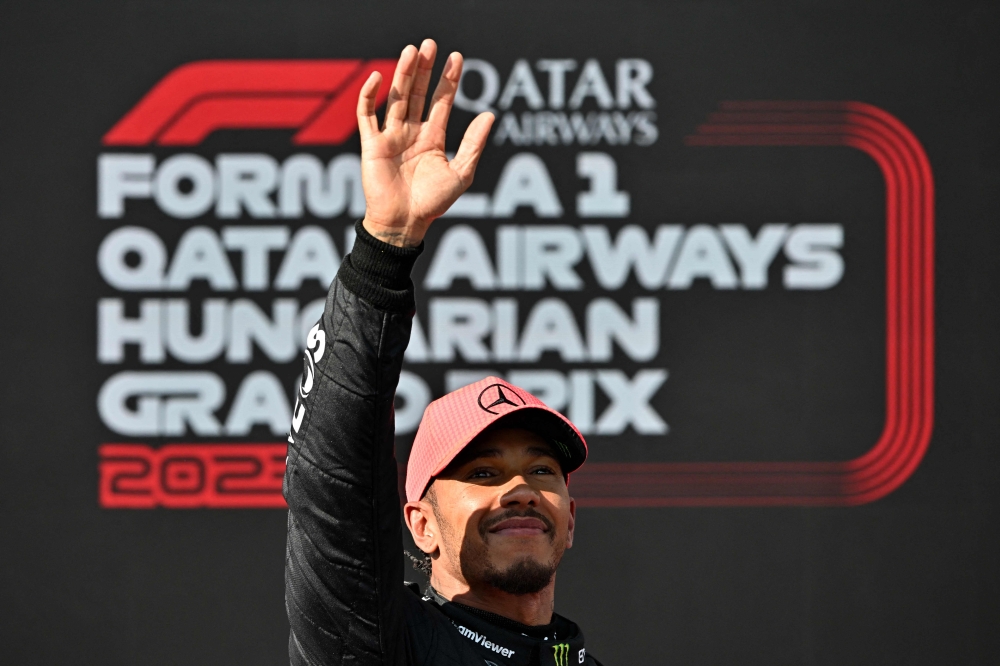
column 397, row 238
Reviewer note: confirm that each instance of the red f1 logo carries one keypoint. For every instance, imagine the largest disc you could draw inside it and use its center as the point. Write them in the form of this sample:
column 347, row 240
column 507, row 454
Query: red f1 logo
column 317, row 97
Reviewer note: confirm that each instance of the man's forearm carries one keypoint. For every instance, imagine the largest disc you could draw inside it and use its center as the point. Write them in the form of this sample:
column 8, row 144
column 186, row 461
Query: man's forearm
column 343, row 571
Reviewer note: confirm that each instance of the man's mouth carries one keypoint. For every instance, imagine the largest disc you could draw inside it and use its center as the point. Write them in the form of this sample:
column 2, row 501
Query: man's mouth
column 520, row 526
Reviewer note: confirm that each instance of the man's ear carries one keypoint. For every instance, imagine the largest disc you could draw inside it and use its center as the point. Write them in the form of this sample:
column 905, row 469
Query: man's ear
column 572, row 523
column 422, row 523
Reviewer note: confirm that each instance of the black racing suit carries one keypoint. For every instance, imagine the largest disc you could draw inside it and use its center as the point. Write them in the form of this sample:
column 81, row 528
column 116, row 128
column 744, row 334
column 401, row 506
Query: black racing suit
column 344, row 592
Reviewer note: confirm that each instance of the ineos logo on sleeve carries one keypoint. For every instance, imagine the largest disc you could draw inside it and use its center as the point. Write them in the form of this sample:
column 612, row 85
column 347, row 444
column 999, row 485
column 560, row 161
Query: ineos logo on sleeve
column 495, row 396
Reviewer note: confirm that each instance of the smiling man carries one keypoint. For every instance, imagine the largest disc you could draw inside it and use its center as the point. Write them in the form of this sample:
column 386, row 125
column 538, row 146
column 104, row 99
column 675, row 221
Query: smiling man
column 486, row 483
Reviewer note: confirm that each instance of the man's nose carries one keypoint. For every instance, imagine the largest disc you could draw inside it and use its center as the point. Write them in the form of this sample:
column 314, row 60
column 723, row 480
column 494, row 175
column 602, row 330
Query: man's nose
column 518, row 492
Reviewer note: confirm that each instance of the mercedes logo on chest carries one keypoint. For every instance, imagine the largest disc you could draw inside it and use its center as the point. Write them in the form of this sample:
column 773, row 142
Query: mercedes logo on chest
column 495, row 396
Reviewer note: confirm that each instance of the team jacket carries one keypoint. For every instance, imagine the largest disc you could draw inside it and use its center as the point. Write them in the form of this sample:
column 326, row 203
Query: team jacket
column 345, row 596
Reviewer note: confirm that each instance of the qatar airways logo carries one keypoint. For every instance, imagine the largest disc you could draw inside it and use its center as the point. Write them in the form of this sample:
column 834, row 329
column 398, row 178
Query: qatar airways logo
column 564, row 101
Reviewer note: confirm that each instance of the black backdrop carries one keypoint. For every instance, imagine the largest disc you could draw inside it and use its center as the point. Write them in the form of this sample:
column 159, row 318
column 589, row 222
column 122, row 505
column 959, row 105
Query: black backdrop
column 773, row 374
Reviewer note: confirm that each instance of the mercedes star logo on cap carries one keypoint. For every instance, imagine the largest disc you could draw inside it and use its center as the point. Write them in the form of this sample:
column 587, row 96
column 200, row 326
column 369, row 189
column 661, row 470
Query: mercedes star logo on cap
column 496, row 395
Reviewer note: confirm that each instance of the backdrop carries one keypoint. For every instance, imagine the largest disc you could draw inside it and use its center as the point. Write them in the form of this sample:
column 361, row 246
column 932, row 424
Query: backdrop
column 747, row 248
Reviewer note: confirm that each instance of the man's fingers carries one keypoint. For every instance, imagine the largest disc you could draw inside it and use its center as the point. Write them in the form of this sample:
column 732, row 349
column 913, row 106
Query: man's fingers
column 422, row 80
column 402, row 80
column 444, row 94
column 367, row 122
column 471, row 148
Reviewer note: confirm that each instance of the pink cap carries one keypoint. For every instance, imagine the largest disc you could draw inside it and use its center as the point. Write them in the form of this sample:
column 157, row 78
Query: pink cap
column 454, row 420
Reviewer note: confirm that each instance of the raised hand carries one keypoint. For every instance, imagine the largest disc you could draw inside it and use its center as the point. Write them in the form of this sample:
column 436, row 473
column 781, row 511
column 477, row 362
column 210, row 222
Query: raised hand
column 407, row 178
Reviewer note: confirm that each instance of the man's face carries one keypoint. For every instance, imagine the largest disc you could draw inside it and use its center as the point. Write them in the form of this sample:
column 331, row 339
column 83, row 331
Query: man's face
column 503, row 512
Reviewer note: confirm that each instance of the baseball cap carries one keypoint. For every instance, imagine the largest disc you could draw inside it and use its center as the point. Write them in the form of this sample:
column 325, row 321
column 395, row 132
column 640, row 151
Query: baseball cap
column 452, row 421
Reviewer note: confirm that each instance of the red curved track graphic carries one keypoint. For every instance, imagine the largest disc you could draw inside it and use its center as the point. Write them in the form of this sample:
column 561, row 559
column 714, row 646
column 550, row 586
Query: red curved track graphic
column 909, row 329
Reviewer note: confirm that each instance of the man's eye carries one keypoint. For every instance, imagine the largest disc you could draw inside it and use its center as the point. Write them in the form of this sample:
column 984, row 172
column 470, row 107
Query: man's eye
column 482, row 473
column 543, row 470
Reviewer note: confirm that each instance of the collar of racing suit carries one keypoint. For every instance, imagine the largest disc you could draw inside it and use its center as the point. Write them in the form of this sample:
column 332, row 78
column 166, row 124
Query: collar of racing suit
column 505, row 642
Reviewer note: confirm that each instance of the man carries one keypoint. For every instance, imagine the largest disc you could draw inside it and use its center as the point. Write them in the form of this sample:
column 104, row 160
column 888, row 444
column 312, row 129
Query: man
column 487, row 478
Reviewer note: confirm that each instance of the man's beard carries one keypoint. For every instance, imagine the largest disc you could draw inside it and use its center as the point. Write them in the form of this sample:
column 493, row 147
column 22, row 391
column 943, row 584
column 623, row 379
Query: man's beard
column 524, row 576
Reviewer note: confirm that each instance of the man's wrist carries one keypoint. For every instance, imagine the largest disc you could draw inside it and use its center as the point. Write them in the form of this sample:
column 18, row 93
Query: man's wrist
column 400, row 236
column 379, row 272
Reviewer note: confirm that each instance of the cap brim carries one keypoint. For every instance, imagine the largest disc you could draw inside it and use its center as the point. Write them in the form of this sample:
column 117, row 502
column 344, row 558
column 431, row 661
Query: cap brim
column 570, row 449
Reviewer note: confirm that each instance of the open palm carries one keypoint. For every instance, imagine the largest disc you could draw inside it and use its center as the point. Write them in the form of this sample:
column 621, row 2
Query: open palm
column 408, row 179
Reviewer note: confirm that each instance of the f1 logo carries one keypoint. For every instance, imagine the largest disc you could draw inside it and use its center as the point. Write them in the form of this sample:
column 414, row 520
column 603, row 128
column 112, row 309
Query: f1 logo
column 316, row 97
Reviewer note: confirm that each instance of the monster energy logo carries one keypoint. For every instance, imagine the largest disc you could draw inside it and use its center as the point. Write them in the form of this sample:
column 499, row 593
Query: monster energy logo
column 560, row 652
